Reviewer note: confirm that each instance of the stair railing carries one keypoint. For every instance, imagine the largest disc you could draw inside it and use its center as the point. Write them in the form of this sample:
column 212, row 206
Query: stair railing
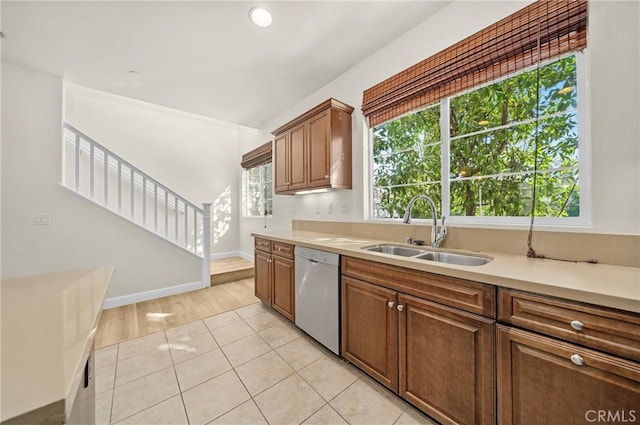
column 100, row 175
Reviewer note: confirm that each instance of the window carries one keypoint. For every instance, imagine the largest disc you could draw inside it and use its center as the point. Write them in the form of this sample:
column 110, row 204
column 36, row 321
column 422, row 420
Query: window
column 489, row 126
column 406, row 162
column 474, row 153
column 257, row 197
column 258, row 193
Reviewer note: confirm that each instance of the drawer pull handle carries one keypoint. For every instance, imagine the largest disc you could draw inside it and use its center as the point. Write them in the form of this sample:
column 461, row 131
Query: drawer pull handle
column 577, row 325
column 400, row 307
column 391, row 304
column 577, row 360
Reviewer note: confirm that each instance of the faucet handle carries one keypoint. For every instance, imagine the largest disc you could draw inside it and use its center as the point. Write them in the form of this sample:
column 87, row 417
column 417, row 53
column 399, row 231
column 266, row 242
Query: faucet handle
column 441, row 231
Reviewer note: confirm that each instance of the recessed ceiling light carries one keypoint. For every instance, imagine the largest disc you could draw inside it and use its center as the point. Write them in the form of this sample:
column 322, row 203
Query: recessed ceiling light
column 2, row 35
column 259, row 16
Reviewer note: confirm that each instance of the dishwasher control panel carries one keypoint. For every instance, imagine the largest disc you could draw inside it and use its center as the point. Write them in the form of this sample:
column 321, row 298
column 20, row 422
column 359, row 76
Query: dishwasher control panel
column 317, row 256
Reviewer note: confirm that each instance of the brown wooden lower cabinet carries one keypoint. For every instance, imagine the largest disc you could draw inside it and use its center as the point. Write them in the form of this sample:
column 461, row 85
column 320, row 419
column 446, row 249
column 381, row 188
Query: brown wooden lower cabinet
column 370, row 329
column 262, row 266
column 545, row 381
column 275, row 276
column 447, row 362
column 439, row 358
column 282, row 299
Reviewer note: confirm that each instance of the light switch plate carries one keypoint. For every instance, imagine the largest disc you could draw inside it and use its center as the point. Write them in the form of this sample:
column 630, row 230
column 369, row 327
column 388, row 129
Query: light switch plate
column 41, row 219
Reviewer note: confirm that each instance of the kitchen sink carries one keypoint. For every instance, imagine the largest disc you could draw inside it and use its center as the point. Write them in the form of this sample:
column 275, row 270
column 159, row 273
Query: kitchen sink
column 459, row 259
column 395, row 250
column 430, row 255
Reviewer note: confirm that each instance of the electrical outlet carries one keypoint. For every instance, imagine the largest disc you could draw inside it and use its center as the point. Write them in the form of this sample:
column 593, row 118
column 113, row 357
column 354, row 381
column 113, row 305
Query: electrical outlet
column 330, row 208
column 344, row 208
column 318, row 209
column 42, row 219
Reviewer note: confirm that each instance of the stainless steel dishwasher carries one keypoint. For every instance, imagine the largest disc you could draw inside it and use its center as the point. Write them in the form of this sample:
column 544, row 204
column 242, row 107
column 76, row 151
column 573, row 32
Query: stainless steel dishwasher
column 318, row 296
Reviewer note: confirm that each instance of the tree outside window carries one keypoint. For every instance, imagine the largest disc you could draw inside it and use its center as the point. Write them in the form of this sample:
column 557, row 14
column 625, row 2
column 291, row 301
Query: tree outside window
column 490, row 134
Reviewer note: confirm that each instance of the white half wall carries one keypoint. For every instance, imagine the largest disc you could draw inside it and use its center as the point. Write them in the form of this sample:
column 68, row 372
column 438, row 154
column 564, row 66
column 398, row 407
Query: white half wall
column 614, row 108
column 80, row 234
column 197, row 157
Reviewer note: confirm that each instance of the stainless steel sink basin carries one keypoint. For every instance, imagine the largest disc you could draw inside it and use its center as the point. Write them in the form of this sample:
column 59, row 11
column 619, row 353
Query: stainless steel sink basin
column 448, row 257
column 430, row 255
column 395, row 250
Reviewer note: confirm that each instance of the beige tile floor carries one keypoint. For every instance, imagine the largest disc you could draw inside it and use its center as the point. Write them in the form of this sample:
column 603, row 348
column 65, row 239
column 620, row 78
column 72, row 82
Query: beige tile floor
column 245, row 366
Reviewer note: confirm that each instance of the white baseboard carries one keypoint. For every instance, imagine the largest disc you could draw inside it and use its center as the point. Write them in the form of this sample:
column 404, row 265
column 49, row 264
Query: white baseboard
column 230, row 254
column 245, row 256
column 151, row 295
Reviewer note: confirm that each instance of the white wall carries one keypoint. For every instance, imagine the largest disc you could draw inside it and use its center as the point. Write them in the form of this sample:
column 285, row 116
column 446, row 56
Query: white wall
column 81, row 234
column 195, row 156
column 614, row 105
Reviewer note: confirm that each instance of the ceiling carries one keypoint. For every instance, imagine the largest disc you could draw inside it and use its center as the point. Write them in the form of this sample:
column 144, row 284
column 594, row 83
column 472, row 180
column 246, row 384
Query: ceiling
column 204, row 57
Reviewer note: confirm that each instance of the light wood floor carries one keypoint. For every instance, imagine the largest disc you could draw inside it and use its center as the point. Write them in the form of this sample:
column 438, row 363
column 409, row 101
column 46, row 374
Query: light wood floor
column 230, row 269
column 231, row 264
column 143, row 318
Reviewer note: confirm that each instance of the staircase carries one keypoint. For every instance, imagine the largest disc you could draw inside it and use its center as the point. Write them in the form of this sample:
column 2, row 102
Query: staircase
column 104, row 178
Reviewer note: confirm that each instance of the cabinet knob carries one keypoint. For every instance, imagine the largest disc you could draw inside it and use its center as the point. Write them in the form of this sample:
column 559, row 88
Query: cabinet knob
column 400, row 307
column 391, row 304
column 577, row 360
column 577, row 325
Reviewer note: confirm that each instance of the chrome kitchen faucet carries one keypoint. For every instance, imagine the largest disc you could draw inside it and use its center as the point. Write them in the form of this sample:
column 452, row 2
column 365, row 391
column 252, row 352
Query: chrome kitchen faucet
column 438, row 232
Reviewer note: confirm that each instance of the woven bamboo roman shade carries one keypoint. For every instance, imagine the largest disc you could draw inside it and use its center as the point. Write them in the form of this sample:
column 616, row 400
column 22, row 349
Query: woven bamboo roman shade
column 509, row 45
column 258, row 156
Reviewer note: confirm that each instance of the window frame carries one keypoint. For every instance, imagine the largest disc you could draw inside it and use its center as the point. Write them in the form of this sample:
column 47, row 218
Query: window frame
column 262, row 183
column 584, row 160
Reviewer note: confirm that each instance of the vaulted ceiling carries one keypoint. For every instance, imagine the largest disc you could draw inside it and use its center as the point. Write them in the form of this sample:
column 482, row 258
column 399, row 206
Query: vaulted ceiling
column 204, row 57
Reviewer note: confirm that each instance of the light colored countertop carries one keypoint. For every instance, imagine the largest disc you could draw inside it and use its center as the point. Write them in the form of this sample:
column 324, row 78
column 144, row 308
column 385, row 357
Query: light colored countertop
column 48, row 327
column 600, row 284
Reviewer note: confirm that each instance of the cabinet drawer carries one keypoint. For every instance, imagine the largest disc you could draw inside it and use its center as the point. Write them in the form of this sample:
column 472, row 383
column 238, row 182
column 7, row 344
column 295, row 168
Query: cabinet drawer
column 263, row 244
column 282, row 249
column 545, row 381
column 463, row 294
column 596, row 327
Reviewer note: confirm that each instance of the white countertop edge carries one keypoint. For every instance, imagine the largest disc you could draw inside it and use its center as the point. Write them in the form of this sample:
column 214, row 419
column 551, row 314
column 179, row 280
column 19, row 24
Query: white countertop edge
column 59, row 402
column 576, row 285
column 78, row 376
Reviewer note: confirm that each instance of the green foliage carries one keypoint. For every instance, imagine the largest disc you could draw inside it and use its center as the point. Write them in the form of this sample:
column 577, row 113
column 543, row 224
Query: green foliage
column 407, row 159
column 492, row 150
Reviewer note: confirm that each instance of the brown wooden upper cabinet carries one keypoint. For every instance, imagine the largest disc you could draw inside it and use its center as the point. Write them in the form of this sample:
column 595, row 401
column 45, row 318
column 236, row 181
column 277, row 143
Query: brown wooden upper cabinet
column 313, row 151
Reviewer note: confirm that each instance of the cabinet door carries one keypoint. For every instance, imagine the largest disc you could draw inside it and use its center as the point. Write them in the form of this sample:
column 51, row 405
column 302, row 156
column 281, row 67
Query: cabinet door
column 283, row 286
column 297, row 157
column 545, row 381
column 370, row 329
column 319, row 151
column 447, row 362
column 281, row 162
column 262, row 265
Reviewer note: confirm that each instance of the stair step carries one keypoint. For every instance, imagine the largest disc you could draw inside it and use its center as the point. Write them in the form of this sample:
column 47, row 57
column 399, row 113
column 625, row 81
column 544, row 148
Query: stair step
column 230, row 269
